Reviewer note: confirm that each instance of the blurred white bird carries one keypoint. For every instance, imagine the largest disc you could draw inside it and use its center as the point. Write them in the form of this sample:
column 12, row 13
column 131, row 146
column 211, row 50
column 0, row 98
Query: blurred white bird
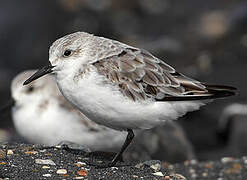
column 42, row 115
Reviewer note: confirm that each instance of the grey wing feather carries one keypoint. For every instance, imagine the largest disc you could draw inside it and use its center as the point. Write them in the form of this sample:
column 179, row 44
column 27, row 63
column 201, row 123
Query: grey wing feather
column 140, row 75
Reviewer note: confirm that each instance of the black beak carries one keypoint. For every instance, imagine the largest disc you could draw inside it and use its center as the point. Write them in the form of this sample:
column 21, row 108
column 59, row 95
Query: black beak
column 7, row 106
column 45, row 70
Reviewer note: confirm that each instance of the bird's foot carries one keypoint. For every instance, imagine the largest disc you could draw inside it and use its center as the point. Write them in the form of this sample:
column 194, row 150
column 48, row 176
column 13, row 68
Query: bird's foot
column 67, row 145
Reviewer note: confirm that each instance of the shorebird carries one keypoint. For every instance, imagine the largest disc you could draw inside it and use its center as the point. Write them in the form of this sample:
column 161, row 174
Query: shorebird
column 121, row 86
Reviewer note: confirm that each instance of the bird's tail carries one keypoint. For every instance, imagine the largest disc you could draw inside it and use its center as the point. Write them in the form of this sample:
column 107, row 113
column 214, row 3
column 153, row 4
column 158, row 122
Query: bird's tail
column 211, row 92
column 220, row 91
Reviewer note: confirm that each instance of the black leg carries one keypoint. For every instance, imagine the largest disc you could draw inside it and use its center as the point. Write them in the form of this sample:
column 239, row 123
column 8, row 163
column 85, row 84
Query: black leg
column 118, row 156
column 127, row 142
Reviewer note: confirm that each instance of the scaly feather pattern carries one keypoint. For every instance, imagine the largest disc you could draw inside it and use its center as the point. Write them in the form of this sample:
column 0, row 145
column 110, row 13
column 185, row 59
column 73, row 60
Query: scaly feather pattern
column 141, row 76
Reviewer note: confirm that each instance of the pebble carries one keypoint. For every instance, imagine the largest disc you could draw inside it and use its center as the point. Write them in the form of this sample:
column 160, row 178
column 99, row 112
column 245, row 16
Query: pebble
column 204, row 174
column 158, row 174
column 209, row 165
column 178, row 176
column 31, row 152
column 192, row 171
column 45, row 161
column 193, row 162
column 47, row 175
column 82, row 172
column 78, row 177
column 80, row 164
column 45, row 167
column 139, row 165
column 114, row 168
column 48, row 154
column 154, row 164
column 156, row 167
column 10, row 152
column 226, row 160
column 61, row 171
column 85, row 159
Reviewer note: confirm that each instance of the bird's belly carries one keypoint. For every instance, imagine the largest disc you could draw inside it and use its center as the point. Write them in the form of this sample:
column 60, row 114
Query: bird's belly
column 112, row 111
column 107, row 106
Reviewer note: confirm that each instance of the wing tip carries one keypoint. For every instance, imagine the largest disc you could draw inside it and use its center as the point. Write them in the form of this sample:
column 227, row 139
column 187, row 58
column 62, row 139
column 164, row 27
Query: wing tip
column 221, row 91
column 220, row 87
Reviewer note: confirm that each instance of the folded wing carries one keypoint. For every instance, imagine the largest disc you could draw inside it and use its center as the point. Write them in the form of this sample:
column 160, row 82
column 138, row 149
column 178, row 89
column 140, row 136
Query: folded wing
column 141, row 76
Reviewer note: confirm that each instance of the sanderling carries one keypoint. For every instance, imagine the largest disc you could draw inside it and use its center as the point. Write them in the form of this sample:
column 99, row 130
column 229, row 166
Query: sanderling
column 42, row 115
column 123, row 87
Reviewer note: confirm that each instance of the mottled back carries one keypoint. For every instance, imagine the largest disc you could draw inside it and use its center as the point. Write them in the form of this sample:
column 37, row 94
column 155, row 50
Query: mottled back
column 140, row 75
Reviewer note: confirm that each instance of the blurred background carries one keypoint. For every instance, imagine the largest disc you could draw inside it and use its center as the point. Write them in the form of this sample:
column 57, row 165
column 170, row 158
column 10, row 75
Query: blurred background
column 206, row 40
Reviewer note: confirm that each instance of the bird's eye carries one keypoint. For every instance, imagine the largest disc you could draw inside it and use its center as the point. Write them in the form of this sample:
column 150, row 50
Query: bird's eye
column 30, row 89
column 67, row 53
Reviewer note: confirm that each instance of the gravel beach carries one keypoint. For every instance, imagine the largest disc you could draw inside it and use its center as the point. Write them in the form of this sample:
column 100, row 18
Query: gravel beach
column 22, row 161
